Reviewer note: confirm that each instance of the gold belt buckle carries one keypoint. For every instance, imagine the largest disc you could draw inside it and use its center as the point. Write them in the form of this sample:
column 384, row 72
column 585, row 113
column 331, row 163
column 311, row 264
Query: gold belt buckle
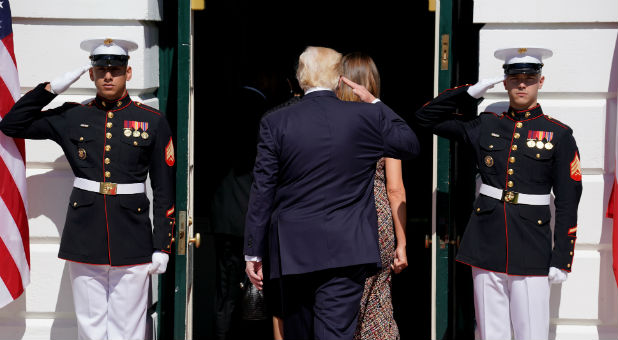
column 510, row 196
column 107, row 188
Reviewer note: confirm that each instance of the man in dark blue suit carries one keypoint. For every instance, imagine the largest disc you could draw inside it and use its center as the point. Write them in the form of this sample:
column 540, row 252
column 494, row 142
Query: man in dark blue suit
column 311, row 209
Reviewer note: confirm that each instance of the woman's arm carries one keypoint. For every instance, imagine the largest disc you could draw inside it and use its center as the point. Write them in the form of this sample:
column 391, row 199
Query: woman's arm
column 397, row 199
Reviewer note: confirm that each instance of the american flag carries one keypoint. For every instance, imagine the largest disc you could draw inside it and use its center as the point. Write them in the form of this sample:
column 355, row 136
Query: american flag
column 14, row 242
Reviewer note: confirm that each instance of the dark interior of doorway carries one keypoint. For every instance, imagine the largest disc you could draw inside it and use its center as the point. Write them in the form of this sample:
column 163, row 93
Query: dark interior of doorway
column 230, row 36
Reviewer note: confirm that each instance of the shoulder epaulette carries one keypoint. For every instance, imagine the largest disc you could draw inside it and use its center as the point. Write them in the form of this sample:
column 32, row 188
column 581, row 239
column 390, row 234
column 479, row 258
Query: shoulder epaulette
column 499, row 115
column 146, row 107
column 557, row 122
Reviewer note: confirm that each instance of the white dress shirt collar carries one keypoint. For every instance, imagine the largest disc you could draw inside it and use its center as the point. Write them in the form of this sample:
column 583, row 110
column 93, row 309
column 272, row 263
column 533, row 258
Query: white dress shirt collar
column 313, row 89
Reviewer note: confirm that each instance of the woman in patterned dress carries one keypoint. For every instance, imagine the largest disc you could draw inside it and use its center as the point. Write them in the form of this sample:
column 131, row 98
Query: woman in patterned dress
column 375, row 320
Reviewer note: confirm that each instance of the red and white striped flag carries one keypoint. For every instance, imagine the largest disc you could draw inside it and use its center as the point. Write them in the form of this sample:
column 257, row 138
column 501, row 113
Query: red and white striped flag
column 612, row 209
column 14, row 238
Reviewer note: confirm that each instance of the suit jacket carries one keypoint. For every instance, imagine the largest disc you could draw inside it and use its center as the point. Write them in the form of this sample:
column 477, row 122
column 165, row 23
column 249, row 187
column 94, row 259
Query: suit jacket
column 520, row 151
column 107, row 141
column 311, row 205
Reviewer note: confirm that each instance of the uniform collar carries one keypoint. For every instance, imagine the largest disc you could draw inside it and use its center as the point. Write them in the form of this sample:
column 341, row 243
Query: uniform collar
column 105, row 104
column 524, row 114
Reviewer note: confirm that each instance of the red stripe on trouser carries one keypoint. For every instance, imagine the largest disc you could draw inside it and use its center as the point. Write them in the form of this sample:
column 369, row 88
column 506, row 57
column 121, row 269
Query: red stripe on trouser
column 9, row 273
column 14, row 203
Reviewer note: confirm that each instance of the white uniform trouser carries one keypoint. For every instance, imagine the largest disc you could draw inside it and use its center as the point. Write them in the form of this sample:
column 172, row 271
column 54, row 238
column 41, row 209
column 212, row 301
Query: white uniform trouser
column 110, row 302
column 503, row 302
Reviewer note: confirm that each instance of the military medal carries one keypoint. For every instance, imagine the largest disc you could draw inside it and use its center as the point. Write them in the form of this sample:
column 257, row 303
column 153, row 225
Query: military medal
column 81, row 153
column 540, row 139
column 136, row 133
column 127, row 132
column 489, row 161
column 145, row 135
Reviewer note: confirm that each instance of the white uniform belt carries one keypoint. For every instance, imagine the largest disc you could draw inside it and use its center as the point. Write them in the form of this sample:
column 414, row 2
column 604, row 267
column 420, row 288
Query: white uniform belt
column 107, row 188
column 514, row 197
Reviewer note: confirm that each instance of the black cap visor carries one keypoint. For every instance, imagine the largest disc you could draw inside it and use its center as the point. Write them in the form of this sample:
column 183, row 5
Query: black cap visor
column 522, row 68
column 107, row 60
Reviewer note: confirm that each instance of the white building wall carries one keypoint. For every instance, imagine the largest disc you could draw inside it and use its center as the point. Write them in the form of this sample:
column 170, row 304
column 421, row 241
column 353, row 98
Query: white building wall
column 581, row 86
column 47, row 35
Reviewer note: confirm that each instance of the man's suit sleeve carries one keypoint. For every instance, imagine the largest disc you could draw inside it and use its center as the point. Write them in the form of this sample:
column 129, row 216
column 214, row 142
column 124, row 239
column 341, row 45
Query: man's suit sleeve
column 265, row 175
column 399, row 140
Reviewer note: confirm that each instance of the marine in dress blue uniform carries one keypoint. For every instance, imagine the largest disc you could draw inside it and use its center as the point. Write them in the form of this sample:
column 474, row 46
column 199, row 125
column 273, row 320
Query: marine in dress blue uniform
column 522, row 156
column 112, row 145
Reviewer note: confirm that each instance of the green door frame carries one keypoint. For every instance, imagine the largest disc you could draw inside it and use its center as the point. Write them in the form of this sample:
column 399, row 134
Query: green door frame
column 442, row 207
column 182, row 168
column 174, row 99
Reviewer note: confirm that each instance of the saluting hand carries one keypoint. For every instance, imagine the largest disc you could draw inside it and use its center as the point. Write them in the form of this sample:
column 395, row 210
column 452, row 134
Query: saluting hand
column 61, row 83
column 359, row 90
column 478, row 90
column 254, row 272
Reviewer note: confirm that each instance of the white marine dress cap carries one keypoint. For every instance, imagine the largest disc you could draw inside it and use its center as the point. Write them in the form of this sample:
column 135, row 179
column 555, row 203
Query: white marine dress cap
column 526, row 60
column 108, row 51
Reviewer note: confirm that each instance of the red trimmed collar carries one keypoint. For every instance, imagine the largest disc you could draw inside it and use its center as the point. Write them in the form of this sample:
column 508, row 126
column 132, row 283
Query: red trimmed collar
column 527, row 114
column 112, row 105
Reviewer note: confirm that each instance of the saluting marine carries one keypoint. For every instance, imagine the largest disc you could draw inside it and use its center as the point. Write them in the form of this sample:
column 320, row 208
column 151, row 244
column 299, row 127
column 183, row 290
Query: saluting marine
column 112, row 143
column 522, row 156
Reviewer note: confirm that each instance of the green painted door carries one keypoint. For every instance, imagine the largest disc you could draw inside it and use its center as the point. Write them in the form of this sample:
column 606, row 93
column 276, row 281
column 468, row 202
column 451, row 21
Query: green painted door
column 454, row 186
column 441, row 237
column 174, row 306
column 186, row 242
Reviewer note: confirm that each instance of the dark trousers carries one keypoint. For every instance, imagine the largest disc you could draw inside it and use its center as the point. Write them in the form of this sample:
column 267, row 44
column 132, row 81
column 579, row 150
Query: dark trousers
column 323, row 304
column 230, row 273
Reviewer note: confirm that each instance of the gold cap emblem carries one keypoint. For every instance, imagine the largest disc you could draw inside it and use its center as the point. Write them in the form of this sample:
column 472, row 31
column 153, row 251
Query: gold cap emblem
column 108, row 41
column 522, row 50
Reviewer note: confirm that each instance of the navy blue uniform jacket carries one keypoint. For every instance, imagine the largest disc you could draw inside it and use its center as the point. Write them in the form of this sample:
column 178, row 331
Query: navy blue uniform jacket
column 511, row 155
column 106, row 229
column 311, row 205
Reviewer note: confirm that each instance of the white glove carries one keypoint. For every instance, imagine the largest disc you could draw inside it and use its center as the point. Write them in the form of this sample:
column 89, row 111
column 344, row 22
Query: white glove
column 159, row 263
column 60, row 84
column 556, row 275
column 478, row 90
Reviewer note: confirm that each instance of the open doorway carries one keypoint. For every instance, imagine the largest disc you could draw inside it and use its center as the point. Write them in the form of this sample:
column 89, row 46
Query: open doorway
column 234, row 38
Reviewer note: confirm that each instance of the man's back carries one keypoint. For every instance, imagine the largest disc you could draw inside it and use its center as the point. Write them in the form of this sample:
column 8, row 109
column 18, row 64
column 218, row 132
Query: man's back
column 315, row 166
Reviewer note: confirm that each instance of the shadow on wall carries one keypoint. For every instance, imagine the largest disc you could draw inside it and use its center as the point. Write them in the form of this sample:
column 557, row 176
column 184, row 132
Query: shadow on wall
column 56, row 186
column 608, row 293
column 64, row 325
column 12, row 319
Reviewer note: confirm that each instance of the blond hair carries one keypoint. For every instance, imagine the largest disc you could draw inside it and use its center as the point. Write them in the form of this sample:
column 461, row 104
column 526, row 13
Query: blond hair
column 318, row 67
column 359, row 68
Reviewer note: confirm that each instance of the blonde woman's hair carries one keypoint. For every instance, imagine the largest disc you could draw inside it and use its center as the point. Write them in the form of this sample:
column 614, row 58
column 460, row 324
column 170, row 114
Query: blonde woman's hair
column 318, row 67
column 359, row 68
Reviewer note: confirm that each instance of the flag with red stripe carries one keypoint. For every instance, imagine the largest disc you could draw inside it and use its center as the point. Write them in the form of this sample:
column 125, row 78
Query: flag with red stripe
column 14, row 236
column 612, row 209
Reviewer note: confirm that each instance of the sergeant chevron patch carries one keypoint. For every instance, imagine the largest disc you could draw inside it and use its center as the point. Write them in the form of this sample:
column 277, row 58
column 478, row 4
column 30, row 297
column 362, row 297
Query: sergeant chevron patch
column 169, row 153
column 576, row 170
column 572, row 231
